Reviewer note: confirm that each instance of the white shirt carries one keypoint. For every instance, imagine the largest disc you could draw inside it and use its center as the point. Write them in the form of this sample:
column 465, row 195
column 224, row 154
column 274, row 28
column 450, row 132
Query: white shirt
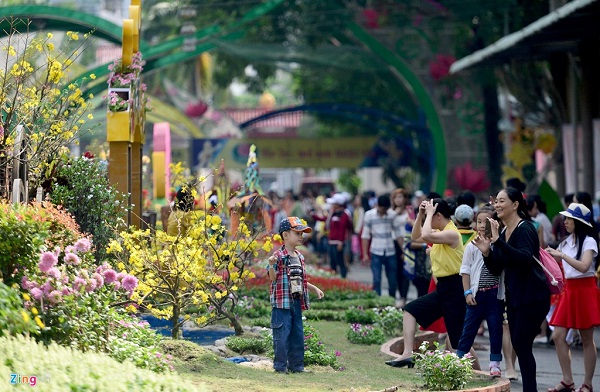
column 472, row 263
column 544, row 221
column 569, row 247
column 382, row 231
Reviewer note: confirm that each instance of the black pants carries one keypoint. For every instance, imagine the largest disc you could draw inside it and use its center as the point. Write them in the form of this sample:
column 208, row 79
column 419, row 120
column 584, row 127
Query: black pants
column 446, row 301
column 524, row 324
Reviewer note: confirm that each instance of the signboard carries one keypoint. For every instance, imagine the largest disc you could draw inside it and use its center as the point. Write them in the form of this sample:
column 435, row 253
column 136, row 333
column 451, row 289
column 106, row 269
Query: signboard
column 323, row 153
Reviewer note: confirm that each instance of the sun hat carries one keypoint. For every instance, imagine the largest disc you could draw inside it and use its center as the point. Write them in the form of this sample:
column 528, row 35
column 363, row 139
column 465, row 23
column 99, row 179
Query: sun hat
column 579, row 212
column 293, row 223
column 464, row 213
column 338, row 199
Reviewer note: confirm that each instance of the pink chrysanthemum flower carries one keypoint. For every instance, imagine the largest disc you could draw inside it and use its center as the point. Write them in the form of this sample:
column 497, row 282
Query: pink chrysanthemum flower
column 72, row 259
column 37, row 293
column 129, row 282
column 55, row 297
column 91, row 285
column 110, row 276
column 82, row 245
column 54, row 273
column 79, row 283
column 99, row 279
column 47, row 261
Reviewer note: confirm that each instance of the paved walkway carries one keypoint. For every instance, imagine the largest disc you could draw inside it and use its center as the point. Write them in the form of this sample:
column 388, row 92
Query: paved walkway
column 548, row 369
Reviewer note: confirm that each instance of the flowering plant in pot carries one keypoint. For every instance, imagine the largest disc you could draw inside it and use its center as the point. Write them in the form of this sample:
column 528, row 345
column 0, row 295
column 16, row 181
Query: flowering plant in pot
column 116, row 103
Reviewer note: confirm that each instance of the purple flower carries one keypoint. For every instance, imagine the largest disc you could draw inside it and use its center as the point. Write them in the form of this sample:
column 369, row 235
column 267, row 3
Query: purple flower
column 47, row 287
column 47, row 261
column 110, row 276
column 99, row 279
column 27, row 284
column 82, row 245
column 129, row 282
column 79, row 283
column 54, row 273
column 37, row 293
column 72, row 259
column 55, row 297
column 338, row 354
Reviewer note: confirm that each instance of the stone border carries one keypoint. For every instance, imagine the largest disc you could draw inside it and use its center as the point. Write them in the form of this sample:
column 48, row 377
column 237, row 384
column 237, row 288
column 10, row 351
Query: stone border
column 395, row 346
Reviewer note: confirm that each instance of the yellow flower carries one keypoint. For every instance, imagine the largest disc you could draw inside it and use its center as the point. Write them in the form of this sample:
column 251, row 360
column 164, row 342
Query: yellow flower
column 92, row 76
column 39, row 322
column 49, row 35
column 131, row 309
column 25, row 316
column 90, row 116
column 72, row 35
column 34, row 311
column 26, row 297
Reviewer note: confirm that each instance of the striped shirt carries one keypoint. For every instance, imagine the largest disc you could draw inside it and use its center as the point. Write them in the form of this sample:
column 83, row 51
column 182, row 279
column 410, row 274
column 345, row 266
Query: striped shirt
column 279, row 293
column 382, row 231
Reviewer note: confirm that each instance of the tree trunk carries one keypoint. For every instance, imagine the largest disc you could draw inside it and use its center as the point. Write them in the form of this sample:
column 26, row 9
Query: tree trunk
column 4, row 174
column 175, row 322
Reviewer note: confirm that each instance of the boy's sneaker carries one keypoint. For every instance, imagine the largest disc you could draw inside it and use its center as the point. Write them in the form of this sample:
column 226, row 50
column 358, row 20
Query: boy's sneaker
column 495, row 369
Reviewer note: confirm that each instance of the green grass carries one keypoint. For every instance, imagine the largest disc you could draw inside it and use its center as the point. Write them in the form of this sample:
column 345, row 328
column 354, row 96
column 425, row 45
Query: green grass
column 365, row 369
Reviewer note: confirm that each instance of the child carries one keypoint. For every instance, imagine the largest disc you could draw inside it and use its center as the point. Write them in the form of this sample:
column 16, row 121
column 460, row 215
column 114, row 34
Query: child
column 289, row 296
column 484, row 294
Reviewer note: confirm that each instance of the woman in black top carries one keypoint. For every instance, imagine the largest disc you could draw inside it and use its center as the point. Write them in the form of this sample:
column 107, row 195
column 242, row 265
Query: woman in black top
column 527, row 295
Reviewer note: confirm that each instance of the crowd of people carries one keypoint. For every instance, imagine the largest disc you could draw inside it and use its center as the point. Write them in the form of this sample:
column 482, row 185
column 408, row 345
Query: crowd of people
column 470, row 263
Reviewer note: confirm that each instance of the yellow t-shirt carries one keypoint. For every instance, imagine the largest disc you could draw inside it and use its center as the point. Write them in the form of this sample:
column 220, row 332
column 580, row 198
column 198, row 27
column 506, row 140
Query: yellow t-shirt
column 445, row 260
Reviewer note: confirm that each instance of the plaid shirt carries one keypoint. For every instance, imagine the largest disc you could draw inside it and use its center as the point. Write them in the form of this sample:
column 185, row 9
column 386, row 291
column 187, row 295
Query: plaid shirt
column 279, row 293
column 382, row 231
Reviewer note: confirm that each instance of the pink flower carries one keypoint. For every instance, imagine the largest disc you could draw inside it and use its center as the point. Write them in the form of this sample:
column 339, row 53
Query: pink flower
column 99, row 279
column 47, row 288
column 26, row 284
column 55, row 297
column 82, row 245
column 117, row 284
column 91, row 285
column 66, row 291
column 47, row 261
column 129, row 282
column 36, row 293
column 79, row 283
column 72, row 259
column 109, row 276
column 54, row 273
column 338, row 354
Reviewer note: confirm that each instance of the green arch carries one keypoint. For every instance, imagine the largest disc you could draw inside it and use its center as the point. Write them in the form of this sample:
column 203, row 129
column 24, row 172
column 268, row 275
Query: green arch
column 49, row 17
column 45, row 17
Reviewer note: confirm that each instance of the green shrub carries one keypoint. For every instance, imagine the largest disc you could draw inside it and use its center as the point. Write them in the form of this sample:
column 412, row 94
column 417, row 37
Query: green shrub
column 364, row 334
column 252, row 307
column 360, row 315
column 443, row 370
column 264, row 322
column 314, row 350
column 81, row 186
column 58, row 369
column 389, row 319
column 376, row 302
column 25, row 230
column 247, row 345
column 324, row 314
column 14, row 318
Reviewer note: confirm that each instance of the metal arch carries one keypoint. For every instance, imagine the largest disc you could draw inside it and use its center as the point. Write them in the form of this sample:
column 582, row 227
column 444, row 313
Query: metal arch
column 58, row 18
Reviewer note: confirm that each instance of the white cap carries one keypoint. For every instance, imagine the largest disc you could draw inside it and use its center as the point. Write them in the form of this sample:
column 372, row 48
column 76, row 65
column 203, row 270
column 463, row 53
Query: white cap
column 337, row 198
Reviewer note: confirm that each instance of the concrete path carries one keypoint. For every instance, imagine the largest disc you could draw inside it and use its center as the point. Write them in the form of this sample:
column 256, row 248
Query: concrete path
column 548, row 369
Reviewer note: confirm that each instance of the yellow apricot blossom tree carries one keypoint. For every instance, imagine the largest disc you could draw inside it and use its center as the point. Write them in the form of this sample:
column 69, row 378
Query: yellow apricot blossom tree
column 194, row 275
column 37, row 94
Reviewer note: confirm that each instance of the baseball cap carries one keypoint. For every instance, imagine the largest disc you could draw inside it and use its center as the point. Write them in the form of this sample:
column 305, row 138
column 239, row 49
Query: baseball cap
column 293, row 223
column 337, row 198
column 463, row 213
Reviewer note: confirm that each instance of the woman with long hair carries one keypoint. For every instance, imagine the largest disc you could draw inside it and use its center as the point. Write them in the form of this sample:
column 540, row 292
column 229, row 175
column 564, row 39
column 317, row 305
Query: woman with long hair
column 447, row 300
column 512, row 250
column 579, row 305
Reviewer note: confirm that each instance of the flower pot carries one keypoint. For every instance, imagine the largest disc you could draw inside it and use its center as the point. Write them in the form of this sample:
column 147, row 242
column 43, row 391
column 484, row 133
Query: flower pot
column 118, row 126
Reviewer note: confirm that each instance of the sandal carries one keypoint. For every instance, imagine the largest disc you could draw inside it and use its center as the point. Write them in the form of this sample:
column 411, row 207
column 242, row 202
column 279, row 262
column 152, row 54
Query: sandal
column 564, row 387
column 585, row 388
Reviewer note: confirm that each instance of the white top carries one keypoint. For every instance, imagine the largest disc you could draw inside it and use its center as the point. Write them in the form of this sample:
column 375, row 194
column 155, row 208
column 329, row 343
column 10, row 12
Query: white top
column 544, row 221
column 472, row 263
column 569, row 247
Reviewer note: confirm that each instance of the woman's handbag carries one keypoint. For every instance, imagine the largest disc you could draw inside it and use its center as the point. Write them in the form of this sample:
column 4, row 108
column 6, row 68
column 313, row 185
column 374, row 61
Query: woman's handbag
column 552, row 270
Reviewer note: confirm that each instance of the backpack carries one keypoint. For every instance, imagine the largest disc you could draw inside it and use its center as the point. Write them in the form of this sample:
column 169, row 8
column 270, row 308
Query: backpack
column 552, row 270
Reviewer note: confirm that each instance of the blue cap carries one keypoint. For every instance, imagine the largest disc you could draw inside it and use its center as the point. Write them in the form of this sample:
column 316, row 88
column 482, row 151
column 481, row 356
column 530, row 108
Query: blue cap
column 293, row 223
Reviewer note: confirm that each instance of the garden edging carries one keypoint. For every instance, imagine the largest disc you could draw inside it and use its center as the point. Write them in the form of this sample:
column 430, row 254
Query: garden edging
column 395, row 347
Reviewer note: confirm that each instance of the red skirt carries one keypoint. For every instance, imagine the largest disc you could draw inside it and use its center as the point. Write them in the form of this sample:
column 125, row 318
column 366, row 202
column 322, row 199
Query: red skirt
column 438, row 326
column 579, row 305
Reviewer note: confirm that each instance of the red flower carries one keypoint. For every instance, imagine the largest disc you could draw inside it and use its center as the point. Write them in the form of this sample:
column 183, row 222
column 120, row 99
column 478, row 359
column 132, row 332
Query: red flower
column 440, row 68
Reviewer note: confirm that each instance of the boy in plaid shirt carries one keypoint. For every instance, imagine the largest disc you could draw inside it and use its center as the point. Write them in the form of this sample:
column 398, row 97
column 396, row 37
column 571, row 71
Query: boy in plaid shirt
column 289, row 296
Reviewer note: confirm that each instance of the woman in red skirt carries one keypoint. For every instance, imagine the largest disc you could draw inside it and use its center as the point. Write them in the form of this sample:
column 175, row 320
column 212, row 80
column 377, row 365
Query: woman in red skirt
column 579, row 304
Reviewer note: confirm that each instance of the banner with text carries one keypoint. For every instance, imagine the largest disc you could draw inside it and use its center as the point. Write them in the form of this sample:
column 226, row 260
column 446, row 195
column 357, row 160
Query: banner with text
column 323, row 153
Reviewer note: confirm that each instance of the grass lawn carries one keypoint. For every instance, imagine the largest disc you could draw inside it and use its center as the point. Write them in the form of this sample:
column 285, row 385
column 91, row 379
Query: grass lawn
column 365, row 370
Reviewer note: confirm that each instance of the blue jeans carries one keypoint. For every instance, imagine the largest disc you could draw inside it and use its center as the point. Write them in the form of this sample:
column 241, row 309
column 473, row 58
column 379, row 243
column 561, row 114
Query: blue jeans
column 288, row 338
column 490, row 309
column 336, row 258
column 389, row 262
